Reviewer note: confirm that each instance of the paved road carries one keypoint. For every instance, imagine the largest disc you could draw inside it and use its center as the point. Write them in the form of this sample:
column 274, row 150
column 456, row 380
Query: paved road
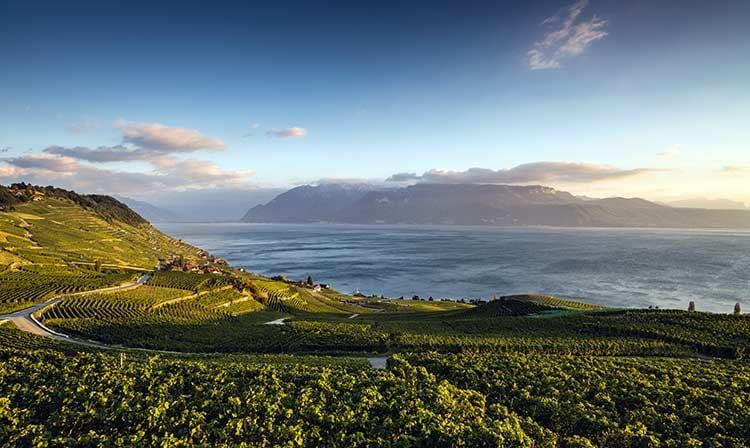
column 25, row 321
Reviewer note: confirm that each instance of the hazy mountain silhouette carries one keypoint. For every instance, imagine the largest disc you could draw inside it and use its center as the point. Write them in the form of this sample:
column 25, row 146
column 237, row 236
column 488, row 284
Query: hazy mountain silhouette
column 470, row 204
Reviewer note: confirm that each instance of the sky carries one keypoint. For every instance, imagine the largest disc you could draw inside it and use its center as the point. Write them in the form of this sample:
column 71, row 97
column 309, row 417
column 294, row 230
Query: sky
column 156, row 99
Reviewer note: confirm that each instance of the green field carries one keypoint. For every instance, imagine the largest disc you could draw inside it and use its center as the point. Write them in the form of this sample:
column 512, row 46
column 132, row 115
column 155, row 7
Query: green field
column 190, row 359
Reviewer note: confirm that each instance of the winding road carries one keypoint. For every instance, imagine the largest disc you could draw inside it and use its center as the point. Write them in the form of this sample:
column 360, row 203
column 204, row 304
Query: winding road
column 25, row 320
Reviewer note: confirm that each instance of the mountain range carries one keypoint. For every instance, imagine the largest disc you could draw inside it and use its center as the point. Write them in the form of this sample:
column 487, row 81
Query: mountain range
column 149, row 211
column 474, row 204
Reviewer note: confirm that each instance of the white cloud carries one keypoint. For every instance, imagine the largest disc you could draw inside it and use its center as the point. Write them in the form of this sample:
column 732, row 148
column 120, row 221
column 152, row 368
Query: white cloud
column 170, row 174
column 568, row 38
column 292, row 132
column 161, row 138
column 672, row 151
column 153, row 143
column 551, row 172
column 142, row 141
column 43, row 161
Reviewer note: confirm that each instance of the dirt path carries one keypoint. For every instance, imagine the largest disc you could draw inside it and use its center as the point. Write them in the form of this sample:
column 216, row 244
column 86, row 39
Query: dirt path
column 378, row 362
column 277, row 321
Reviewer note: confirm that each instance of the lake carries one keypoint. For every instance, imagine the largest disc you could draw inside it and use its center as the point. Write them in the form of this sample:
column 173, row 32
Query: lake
column 613, row 267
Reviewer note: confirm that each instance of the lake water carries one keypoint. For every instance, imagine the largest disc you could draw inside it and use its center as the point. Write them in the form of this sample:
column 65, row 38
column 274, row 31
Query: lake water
column 614, row 267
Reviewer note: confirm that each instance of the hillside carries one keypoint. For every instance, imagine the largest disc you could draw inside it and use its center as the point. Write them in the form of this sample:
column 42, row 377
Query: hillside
column 308, row 204
column 55, row 228
column 495, row 205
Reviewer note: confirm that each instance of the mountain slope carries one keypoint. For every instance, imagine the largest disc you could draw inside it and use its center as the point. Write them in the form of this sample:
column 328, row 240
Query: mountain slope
column 498, row 205
column 308, row 203
column 54, row 227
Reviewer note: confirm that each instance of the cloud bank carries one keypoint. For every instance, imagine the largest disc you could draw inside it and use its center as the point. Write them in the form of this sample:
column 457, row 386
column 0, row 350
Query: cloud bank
column 158, row 137
column 567, row 36
column 101, row 154
column 550, row 172
column 153, row 143
column 293, row 132
column 142, row 141
column 171, row 174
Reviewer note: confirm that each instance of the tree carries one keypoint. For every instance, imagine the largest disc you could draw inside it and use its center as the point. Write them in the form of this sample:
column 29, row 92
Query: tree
column 737, row 308
column 691, row 306
column 309, row 280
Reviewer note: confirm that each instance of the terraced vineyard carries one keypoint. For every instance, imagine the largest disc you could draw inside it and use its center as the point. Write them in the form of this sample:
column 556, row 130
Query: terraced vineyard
column 274, row 294
column 229, row 300
column 421, row 399
column 144, row 305
column 55, row 231
column 286, row 298
column 557, row 302
column 188, row 281
column 23, row 288
column 132, row 304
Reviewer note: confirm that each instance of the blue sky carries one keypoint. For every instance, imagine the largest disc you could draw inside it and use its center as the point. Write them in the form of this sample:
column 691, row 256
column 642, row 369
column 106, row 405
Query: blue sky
column 601, row 97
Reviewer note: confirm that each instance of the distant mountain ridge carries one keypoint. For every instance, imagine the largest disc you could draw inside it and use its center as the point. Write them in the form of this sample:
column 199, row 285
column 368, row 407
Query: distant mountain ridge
column 481, row 204
column 308, row 203
column 149, row 211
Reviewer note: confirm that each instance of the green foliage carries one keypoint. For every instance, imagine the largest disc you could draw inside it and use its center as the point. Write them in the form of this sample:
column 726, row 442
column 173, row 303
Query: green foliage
column 609, row 402
column 194, row 403
column 188, row 280
column 23, row 288
column 107, row 207
column 55, row 231
column 229, row 300
column 711, row 334
column 422, row 399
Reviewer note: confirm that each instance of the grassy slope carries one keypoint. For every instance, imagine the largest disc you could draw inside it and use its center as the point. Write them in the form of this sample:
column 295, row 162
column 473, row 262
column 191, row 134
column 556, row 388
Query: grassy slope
column 55, row 232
